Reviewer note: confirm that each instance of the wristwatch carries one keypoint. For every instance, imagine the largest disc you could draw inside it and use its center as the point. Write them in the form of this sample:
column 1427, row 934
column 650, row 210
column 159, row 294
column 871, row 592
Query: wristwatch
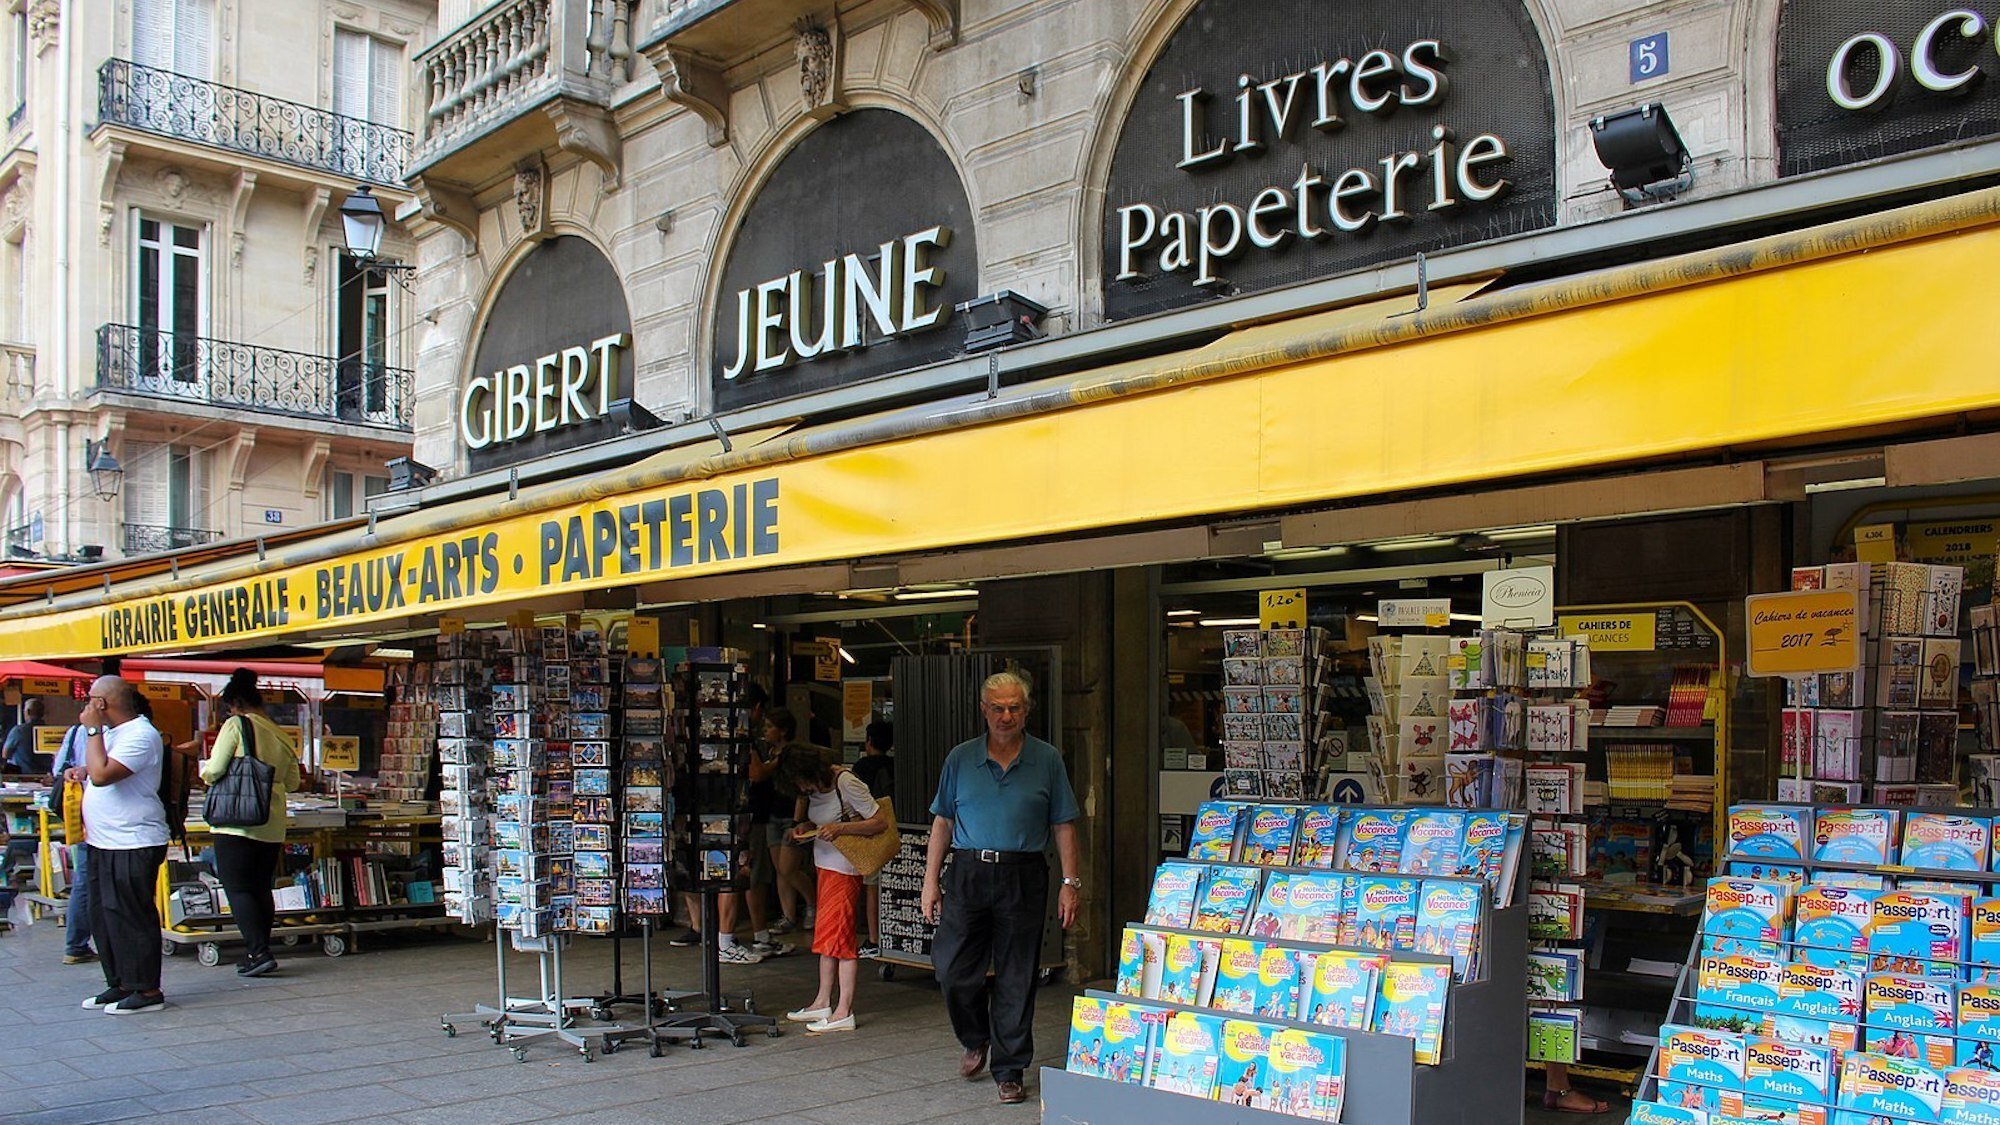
column 89, row 731
column 1069, row 882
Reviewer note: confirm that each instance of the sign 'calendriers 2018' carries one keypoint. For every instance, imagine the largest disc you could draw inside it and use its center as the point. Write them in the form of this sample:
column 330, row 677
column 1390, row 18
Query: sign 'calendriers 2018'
column 1268, row 115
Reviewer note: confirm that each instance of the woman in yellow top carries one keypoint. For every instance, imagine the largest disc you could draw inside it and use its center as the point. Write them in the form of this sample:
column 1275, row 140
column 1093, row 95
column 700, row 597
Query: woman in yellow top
column 246, row 859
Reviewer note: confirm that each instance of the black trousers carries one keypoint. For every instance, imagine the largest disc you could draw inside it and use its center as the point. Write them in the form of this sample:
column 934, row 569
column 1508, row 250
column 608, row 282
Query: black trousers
column 993, row 915
column 125, row 915
column 245, row 867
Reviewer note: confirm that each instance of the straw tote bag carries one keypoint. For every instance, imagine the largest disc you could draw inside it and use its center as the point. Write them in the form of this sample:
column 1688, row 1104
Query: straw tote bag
column 868, row 854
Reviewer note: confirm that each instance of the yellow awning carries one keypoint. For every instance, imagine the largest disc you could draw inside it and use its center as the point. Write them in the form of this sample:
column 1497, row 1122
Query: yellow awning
column 1880, row 321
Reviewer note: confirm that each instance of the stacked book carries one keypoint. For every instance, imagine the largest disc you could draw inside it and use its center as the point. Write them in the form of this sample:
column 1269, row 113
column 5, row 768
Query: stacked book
column 1245, row 1062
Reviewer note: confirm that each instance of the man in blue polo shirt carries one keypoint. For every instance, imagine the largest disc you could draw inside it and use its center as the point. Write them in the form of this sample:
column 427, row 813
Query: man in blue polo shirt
column 999, row 799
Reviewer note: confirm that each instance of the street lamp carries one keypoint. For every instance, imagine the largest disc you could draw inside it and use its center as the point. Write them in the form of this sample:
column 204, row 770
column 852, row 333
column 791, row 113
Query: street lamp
column 106, row 474
column 362, row 222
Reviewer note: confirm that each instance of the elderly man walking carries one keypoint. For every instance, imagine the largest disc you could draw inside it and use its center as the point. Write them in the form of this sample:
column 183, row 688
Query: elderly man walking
column 999, row 799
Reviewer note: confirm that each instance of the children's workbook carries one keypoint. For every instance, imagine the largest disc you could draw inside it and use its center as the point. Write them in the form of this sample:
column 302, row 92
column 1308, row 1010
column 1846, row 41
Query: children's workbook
column 1411, row 1004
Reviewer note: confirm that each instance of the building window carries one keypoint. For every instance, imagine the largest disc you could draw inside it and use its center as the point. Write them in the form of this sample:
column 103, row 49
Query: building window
column 347, row 493
column 173, row 35
column 367, row 78
column 20, row 66
column 167, row 305
column 361, row 343
column 166, row 496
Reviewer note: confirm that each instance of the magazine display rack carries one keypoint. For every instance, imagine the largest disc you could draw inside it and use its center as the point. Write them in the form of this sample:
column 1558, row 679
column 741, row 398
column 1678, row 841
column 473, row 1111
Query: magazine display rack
column 710, row 830
column 1895, row 1001
column 1478, row 1079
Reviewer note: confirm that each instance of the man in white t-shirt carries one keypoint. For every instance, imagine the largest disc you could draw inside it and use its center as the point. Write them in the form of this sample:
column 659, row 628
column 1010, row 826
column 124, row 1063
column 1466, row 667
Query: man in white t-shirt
column 125, row 830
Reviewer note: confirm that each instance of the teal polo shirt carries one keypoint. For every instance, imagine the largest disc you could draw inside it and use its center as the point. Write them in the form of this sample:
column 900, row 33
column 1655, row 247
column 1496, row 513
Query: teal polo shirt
column 1004, row 810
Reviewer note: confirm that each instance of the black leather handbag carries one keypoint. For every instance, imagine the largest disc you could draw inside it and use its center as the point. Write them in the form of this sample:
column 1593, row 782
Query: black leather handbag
column 242, row 798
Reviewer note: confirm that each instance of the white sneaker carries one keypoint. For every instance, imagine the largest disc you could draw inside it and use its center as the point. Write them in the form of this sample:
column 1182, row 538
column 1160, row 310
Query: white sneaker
column 766, row 949
column 821, row 1027
column 783, row 926
column 809, row 1015
column 737, row 955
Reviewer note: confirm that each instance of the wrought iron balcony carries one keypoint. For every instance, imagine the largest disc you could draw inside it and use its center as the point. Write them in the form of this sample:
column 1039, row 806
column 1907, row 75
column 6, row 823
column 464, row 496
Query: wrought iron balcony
column 209, row 113
column 16, row 116
column 145, row 539
column 550, row 66
column 21, row 541
column 195, row 369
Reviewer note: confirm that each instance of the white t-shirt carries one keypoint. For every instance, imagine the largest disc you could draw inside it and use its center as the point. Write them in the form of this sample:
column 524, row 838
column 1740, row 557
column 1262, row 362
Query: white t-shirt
column 127, row 814
column 826, row 808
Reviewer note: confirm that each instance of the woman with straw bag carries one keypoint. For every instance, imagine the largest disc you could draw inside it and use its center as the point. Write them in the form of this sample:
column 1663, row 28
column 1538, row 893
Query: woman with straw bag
column 853, row 835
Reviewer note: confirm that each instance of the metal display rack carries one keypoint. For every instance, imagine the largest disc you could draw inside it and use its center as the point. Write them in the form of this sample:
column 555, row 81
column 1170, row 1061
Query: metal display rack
column 1682, row 1009
column 906, row 936
column 1478, row 1079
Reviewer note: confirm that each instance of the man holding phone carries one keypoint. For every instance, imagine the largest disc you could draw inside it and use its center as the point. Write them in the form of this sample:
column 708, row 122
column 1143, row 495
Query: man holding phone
column 125, row 830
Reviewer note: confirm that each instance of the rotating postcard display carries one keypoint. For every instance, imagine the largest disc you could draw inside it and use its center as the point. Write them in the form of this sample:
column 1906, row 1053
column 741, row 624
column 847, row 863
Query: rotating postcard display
column 649, row 745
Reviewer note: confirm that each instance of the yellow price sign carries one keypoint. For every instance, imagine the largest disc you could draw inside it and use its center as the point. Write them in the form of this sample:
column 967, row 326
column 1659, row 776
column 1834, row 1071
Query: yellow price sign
column 450, row 626
column 160, row 692
column 1612, row 632
column 642, row 636
column 1875, row 543
column 1803, row 632
column 1281, row 609
column 44, row 685
column 48, row 740
column 339, row 752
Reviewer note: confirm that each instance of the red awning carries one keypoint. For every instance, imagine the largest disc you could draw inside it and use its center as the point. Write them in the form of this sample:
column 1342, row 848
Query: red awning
column 35, row 669
column 289, row 669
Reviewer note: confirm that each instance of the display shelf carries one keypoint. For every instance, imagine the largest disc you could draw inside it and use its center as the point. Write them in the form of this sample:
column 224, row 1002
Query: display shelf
column 1478, row 1079
column 1703, row 733
column 1294, row 943
column 1294, row 870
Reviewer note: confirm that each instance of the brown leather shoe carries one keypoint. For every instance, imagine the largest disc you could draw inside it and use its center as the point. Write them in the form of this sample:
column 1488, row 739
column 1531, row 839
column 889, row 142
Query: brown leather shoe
column 1013, row 1093
column 973, row 1062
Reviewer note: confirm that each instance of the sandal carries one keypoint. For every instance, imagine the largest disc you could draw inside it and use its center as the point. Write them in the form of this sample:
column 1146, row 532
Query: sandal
column 1553, row 1099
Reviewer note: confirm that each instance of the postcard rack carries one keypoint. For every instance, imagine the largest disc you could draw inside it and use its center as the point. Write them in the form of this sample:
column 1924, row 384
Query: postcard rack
column 1479, row 1079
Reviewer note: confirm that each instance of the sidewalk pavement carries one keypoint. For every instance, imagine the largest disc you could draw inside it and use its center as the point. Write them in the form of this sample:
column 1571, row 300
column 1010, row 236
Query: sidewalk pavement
column 339, row 1039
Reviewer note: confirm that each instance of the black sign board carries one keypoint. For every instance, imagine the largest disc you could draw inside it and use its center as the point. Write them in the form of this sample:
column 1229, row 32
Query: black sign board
column 1276, row 141
column 554, row 353
column 847, row 265
column 1859, row 80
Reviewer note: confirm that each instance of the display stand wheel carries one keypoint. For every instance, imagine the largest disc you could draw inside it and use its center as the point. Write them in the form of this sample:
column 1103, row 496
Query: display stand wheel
column 773, row 1031
column 169, row 947
column 289, row 939
column 610, row 1048
column 655, row 1052
column 333, row 945
column 886, row 971
column 450, row 1032
column 736, row 1039
column 586, row 1053
column 520, row 1054
column 696, row 1043
column 209, row 954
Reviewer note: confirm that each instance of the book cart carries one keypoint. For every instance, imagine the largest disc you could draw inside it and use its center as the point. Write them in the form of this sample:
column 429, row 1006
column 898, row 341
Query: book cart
column 348, row 896
column 1853, row 1003
column 1477, row 1079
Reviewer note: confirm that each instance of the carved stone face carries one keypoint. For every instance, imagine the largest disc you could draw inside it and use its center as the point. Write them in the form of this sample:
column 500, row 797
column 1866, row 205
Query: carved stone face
column 814, row 50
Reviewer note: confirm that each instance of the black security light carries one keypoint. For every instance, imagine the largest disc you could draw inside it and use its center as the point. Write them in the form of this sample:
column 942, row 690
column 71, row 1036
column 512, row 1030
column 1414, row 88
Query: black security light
column 405, row 474
column 999, row 319
column 106, row 474
column 633, row 418
column 1644, row 152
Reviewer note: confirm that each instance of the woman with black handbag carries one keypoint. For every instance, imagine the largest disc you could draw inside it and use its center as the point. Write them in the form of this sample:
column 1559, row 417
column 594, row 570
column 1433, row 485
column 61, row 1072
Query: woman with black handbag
column 249, row 772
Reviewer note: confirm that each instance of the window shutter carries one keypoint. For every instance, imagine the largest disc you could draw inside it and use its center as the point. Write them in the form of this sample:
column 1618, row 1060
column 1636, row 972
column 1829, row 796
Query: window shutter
column 145, row 484
column 153, row 33
column 386, row 84
column 194, row 22
column 350, row 73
